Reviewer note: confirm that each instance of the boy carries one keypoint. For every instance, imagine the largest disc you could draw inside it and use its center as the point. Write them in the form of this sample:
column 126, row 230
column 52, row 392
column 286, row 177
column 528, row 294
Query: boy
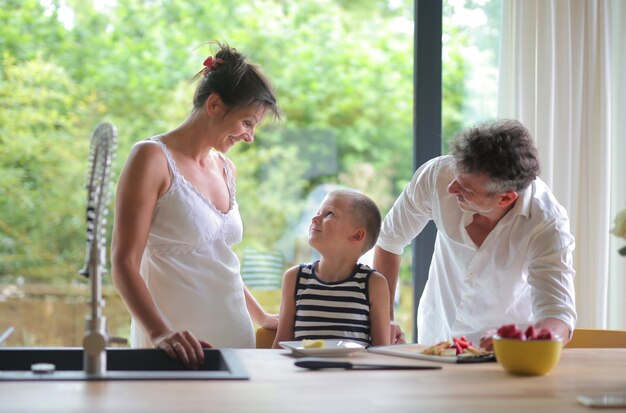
column 336, row 297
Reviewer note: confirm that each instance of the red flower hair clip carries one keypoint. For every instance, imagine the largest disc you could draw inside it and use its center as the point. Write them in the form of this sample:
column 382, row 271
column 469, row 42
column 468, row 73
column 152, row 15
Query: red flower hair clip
column 211, row 64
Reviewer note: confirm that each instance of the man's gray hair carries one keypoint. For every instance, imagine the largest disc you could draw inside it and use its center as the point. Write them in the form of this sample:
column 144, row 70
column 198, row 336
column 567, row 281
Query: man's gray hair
column 504, row 150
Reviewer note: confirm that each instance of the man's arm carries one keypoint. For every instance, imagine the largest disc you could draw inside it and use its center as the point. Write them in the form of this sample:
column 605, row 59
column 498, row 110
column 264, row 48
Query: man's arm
column 388, row 264
column 405, row 220
column 551, row 277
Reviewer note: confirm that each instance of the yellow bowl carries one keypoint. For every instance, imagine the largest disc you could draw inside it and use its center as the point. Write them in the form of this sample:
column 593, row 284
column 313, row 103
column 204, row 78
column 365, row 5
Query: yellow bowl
column 527, row 357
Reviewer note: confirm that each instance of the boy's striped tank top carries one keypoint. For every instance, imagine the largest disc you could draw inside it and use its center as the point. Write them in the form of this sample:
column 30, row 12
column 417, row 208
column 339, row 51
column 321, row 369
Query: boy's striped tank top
column 338, row 310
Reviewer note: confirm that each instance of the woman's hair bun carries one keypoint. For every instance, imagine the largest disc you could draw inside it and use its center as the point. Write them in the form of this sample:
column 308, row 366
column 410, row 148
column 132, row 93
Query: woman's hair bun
column 237, row 81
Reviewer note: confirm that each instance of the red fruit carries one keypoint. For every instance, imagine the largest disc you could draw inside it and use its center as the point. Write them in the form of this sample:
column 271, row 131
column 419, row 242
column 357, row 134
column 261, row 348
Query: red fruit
column 531, row 333
column 462, row 343
column 507, row 330
column 518, row 335
column 544, row 334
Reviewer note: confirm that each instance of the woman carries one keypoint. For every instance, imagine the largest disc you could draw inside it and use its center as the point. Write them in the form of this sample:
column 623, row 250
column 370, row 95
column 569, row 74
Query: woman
column 176, row 218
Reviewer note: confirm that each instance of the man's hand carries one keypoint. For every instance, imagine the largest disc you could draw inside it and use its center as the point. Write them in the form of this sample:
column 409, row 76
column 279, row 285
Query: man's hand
column 557, row 327
column 486, row 341
column 397, row 336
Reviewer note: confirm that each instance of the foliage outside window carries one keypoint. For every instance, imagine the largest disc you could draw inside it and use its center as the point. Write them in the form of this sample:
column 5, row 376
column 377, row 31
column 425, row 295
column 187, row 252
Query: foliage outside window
column 343, row 70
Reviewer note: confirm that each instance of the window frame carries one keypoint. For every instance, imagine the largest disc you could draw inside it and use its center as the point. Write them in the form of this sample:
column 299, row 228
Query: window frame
column 427, row 125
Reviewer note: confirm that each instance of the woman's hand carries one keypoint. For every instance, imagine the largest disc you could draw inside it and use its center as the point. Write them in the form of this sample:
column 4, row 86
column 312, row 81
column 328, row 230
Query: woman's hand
column 396, row 333
column 258, row 315
column 269, row 321
column 183, row 346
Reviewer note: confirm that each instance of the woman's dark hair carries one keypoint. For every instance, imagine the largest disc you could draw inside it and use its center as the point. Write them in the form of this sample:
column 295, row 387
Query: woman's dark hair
column 504, row 150
column 237, row 82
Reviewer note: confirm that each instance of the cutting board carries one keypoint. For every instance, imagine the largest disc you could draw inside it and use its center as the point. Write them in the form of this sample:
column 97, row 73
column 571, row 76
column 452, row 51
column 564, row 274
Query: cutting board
column 414, row 351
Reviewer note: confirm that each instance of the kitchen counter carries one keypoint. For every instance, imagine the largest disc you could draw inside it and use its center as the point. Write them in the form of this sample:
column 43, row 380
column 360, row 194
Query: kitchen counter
column 276, row 385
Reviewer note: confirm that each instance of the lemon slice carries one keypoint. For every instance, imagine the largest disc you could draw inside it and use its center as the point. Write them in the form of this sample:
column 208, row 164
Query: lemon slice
column 313, row 343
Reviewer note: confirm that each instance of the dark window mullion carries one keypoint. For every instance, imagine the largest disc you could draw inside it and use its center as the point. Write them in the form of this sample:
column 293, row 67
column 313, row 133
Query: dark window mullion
column 426, row 123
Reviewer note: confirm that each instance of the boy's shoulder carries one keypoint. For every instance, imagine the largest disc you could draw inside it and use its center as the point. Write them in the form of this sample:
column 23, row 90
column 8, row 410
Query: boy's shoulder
column 293, row 270
column 378, row 276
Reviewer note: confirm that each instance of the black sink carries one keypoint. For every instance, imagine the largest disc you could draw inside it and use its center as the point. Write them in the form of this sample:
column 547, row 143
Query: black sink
column 122, row 364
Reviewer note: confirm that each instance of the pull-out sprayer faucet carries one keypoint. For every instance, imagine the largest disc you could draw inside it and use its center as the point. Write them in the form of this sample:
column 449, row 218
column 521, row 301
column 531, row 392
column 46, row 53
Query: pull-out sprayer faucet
column 101, row 154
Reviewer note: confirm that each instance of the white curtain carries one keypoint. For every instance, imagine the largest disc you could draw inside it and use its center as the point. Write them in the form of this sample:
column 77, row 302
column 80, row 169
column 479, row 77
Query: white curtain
column 617, row 282
column 555, row 73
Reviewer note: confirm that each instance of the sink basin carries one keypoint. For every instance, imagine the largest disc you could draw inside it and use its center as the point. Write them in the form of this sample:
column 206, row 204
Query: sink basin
column 122, row 364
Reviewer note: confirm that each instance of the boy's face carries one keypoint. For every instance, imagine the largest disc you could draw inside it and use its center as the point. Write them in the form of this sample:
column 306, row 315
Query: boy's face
column 333, row 224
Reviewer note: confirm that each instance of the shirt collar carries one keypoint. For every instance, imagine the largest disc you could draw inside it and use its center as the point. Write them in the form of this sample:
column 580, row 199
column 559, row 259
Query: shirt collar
column 526, row 198
column 522, row 203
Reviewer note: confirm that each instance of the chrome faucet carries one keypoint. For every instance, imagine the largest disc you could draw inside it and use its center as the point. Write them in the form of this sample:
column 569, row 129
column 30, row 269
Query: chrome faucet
column 101, row 154
column 6, row 334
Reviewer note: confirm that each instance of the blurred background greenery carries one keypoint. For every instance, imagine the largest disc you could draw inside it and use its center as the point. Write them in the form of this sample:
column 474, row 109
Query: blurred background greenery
column 343, row 72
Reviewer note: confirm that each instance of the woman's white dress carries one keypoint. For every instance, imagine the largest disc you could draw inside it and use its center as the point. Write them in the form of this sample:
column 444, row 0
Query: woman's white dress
column 190, row 268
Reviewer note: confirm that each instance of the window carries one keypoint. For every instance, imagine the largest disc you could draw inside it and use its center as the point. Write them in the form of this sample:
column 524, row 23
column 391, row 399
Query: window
column 343, row 74
column 471, row 36
column 468, row 75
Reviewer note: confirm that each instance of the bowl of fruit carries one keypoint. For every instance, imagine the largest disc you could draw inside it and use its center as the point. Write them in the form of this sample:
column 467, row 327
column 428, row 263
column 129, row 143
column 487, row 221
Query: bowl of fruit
column 529, row 352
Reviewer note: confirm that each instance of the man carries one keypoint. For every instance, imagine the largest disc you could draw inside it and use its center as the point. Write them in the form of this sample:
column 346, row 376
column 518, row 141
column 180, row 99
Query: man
column 503, row 252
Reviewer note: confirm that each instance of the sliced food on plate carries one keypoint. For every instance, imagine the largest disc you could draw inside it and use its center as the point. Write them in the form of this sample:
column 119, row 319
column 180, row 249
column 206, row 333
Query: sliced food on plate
column 457, row 350
column 459, row 347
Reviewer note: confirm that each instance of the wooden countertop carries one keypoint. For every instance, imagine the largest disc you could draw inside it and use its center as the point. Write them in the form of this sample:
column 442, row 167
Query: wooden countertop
column 276, row 385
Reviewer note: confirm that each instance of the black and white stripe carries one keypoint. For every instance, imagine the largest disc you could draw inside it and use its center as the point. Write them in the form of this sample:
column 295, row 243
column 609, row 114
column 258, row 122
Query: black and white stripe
column 338, row 310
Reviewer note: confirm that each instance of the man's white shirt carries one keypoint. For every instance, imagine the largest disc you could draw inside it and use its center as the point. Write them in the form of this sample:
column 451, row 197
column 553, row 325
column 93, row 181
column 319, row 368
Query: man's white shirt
column 522, row 273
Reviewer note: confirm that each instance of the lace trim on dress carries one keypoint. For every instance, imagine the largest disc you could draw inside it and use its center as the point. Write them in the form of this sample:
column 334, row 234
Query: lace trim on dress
column 172, row 168
column 230, row 181
column 170, row 249
column 178, row 249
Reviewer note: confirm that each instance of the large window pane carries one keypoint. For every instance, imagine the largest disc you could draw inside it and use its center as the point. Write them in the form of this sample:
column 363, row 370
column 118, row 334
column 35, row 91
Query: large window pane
column 343, row 74
column 471, row 36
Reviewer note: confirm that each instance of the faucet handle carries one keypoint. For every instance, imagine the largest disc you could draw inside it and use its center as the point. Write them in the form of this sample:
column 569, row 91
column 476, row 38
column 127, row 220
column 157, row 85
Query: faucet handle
column 6, row 334
column 117, row 340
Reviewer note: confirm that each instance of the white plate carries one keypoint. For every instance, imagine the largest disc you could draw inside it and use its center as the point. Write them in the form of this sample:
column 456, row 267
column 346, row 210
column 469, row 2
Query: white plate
column 331, row 348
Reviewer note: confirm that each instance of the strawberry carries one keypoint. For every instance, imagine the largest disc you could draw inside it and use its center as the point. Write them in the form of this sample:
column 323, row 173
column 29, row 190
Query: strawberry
column 544, row 334
column 461, row 342
column 518, row 335
column 509, row 331
column 531, row 333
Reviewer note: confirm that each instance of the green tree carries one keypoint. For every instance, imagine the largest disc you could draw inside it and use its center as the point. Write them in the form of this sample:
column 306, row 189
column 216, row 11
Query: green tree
column 341, row 69
column 43, row 152
column 28, row 30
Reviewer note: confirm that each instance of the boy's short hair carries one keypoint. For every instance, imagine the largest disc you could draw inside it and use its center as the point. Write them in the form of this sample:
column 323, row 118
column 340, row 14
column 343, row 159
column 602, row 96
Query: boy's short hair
column 366, row 214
